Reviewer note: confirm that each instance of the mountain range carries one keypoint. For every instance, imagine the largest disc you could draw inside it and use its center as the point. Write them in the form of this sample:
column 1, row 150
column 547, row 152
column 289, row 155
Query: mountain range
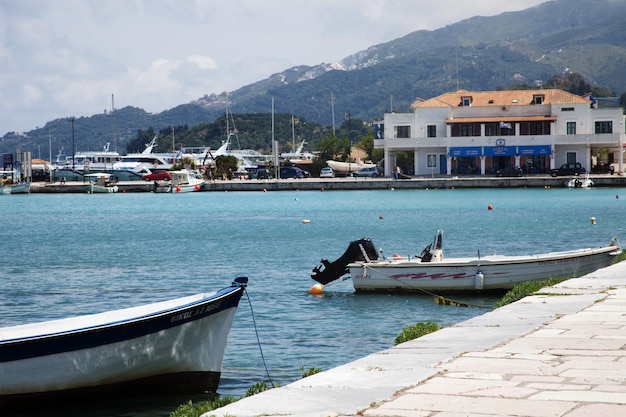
column 480, row 53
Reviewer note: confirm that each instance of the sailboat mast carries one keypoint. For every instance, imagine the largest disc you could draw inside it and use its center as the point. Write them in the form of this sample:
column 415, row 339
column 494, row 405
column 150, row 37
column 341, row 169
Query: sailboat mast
column 113, row 117
column 332, row 107
column 275, row 145
column 293, row 136
column 227, row 125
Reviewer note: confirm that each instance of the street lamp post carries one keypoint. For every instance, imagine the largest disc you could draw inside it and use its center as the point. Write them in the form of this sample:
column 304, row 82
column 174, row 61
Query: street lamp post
column 72, row 120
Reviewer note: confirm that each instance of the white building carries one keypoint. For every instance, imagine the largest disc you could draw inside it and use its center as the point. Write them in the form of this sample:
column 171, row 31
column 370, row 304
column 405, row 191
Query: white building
column 477, row 133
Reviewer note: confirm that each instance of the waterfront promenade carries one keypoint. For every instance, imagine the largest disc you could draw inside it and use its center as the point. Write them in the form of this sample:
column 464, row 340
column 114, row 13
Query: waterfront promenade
column 347, row 183
column 560, row 353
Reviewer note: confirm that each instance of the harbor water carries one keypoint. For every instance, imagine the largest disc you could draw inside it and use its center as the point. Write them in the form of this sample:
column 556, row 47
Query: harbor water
column 66, row 255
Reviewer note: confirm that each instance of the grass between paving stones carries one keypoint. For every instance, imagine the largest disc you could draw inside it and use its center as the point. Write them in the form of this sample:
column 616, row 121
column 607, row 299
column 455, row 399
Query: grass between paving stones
column 191, row 409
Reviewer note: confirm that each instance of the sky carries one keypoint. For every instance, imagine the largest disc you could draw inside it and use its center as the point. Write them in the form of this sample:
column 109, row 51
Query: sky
column 64, row 58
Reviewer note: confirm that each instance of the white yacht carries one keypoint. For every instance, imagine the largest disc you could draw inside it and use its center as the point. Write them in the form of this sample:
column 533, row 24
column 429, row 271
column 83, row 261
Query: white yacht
column 139, row 164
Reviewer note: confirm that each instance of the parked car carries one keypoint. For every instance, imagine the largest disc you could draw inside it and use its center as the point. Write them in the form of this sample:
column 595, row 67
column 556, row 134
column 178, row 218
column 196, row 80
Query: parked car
column 511, row 171
column 159, row 175
column 293, row 172
column 263, row 174
column 327, row 172
column 603, row 168
column 367, row 172
column 568, row 169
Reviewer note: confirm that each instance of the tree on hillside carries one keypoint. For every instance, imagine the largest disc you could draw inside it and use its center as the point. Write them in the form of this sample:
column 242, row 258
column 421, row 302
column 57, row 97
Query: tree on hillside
column 332, row 147
column 573, row 83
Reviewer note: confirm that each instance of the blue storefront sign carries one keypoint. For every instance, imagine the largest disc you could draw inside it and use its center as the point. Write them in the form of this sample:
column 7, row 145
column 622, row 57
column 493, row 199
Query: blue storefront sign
column 499, row 151
column 502, row 151
column 535, row 150
column 469, row 151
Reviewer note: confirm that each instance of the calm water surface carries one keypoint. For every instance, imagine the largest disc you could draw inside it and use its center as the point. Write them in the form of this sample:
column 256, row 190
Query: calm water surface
column 65, row 255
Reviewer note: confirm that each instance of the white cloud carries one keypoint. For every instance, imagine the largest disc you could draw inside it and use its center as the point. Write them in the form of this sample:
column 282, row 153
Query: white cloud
column 66, row 58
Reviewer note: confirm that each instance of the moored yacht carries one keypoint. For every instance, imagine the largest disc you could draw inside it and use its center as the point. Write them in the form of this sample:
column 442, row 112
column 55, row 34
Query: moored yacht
column 135, row 165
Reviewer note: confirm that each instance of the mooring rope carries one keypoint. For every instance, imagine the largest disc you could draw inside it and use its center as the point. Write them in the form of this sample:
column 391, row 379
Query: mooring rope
column 257, row 338
column 441, row 300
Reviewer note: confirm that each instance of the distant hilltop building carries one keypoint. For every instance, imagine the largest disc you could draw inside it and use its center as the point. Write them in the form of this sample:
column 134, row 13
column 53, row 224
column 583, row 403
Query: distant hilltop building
column 481, row 132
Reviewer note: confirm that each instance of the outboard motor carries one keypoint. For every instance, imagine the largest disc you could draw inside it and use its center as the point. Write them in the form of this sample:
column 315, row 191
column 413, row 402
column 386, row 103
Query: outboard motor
column 358, row 250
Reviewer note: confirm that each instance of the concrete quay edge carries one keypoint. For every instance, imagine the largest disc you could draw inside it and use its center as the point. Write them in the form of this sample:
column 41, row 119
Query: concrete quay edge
column 346, row 183
column 560, row 353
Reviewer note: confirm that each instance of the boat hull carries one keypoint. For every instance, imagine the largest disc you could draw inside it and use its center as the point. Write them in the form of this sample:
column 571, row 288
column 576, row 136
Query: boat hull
column 172, row 346
column 460, row 274
column 78, row 175
column 99, row 189
column 22, row 188
column 347, row 167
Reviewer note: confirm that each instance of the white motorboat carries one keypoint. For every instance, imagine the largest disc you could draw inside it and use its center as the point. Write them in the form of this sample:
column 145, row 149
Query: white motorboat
column 577, row 182
column 432, row 272
column 170, row 346
column 348, row 167
column 101, row 182
column 21, row 188
column 185, row 181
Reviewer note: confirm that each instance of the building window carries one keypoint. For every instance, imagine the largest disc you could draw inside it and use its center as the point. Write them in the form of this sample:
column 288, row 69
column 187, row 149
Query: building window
column 570, row 157
column 379, row 131
column 431, row 131
column 538, row 99
column 571, row 128
column 467, row 130
column 604, row 127
column 403, row 132
column 431, row 161
column 466, row 101
column 536, row 128
column 567, row 109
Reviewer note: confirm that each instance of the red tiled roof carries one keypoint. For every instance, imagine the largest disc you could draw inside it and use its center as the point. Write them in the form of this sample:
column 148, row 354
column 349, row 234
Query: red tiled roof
column 501, row 98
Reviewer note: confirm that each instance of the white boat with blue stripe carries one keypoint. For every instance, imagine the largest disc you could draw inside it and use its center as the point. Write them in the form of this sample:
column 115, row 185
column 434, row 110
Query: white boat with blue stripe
column 174, row 346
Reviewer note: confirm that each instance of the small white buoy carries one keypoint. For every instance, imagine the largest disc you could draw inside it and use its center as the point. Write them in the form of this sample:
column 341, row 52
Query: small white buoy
column 306, row 221
column 593, row 220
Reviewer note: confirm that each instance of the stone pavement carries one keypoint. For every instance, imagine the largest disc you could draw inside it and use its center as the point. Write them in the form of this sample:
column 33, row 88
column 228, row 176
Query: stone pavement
column 561, row 353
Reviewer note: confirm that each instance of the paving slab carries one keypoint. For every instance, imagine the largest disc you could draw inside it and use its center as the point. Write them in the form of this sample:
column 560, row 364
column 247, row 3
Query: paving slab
column 560, row 353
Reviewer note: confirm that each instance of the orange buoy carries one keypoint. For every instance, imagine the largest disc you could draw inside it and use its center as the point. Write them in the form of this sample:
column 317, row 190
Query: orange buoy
column 489, row 207
column 178, row 189
column 197, row 187
column 316, row 289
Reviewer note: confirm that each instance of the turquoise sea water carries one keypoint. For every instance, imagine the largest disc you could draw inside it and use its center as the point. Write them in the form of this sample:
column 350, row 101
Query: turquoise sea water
column 65, row 255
